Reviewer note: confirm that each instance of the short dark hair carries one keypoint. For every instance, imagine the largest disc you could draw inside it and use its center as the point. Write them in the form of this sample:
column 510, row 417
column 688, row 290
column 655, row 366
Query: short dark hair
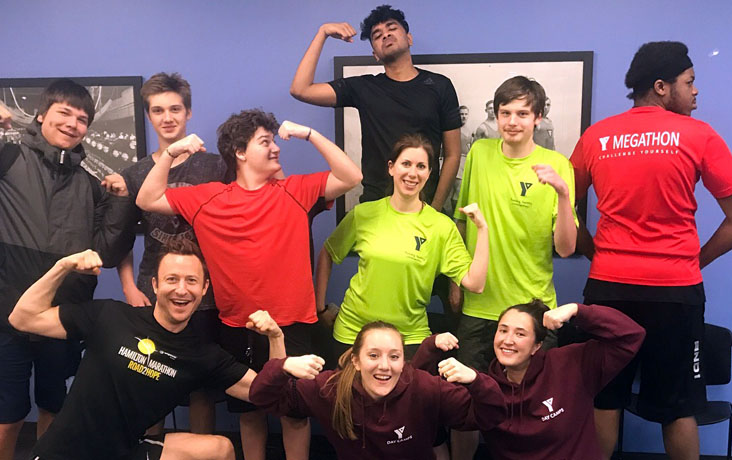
column 656, row 61
column 184, row 247
column 163, row 83
column 536, row 309
column 236, row 132
column 379, row 15
column 520, row 87
column 67, row 91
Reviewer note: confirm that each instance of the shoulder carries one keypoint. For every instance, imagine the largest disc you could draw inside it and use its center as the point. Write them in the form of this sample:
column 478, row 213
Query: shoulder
column 438, row 78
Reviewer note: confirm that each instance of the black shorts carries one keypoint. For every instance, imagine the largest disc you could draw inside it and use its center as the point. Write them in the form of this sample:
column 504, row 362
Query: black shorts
column 672, row 384
column 252, row 349
column 149, row 448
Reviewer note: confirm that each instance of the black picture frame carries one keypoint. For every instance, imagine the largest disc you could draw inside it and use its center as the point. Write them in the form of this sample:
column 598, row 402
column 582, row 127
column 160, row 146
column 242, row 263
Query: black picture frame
column 565, row 75
column 116, row 138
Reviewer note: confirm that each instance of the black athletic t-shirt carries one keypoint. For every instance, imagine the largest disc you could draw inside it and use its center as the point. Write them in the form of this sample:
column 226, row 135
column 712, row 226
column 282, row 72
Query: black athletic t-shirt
column 133, row 373
column 200, row 168
column 388, row 109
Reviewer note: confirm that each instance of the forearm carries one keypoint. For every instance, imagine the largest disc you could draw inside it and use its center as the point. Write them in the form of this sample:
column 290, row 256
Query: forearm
column 565, row 232
column 277, row 346
column 322, row 277
column 474, row 280
column 341, row 166
column 126, row 273
column 156, row 183
column 720, row 243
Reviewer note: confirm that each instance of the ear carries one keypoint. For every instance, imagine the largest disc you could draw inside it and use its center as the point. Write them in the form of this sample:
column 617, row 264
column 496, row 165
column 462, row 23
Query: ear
column 206, row 284
column 535, row 348
column 354, row 361
column 373, row 53
column 537, row 120
column 155, row 285
column 40, row 117
column 660, row 87
column 410, row 40
column 241, row 155
column 189, row 114
column 390, row 167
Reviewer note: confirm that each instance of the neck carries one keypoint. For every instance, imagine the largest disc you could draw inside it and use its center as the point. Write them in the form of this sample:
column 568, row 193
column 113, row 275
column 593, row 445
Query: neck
column 518, row 150
column 407, row 205
column 251, row 180
column 165, row 323
column 516, row 374
column 401, row 68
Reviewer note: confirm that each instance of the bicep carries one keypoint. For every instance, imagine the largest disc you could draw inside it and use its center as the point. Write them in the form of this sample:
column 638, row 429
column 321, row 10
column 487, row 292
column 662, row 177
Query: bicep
column 47, row 324
column 321, row 94
column 161, row 206
column 240, row 389
column 334, row 188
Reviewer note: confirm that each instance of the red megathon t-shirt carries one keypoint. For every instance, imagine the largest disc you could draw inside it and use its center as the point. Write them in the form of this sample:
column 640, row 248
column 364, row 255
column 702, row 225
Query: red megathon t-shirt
column 256, row 244
column 644, row 165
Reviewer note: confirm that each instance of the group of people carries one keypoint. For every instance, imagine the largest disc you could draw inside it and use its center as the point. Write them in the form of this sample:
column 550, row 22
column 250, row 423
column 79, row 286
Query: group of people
column 226, row 294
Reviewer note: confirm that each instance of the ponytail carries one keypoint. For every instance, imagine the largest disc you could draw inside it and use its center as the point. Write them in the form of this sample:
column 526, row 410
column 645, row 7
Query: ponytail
column 343, row 381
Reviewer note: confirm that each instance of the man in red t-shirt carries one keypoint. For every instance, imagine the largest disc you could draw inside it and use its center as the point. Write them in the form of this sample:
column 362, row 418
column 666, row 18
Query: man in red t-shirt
column 254, row 233
column 646, row 258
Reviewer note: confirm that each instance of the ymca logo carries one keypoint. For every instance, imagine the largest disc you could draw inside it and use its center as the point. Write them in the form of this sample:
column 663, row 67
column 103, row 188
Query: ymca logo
column 603, row 142
column 549, row 403
column 419, row 240
column 525, row 186
column 399, row 432
column 400, row 437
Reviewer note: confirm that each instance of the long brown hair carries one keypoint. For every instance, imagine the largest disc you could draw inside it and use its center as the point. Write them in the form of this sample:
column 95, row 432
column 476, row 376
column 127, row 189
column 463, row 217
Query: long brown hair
column 343, row 381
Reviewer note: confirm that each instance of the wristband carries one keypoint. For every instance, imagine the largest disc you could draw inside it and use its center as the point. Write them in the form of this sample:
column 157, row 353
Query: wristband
column 310, row 131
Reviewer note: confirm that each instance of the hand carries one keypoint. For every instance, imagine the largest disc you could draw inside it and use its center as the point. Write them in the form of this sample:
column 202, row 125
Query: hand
column 329, row 314
column 135, row 297
column 473, row 212
column 5, row 117
column 547, row 175
column 554, row 319
column 454, row 371
column 289, row 129
column 87, row 262
column 455, row 297
column 304, row 367
column 189, row 144
column 446, row 341
column 115, row 184
column 262, row 323
column 340, row 30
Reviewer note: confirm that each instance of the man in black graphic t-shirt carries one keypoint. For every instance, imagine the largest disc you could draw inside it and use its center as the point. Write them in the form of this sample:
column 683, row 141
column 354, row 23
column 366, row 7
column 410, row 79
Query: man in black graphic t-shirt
column 139, row 362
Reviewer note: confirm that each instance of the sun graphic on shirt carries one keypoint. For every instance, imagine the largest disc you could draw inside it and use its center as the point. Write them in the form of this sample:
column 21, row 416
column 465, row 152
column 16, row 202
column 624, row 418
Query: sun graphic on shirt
column 146, row 346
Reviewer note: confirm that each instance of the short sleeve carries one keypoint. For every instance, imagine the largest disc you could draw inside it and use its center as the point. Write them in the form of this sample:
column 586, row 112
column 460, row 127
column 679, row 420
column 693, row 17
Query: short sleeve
column 464, row 187
column 449, row 108
column 80, row 320
column 186, row 201
column 226, row 370
column 343, row 238
column 582, row 177
column 456, row 259
column 345, row 96
column 716, row 167
column 306, row 189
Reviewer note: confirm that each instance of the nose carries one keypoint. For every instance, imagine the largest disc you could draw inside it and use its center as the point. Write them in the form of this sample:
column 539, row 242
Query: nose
column 383, row 363
column 180, row 287
column 275, row 148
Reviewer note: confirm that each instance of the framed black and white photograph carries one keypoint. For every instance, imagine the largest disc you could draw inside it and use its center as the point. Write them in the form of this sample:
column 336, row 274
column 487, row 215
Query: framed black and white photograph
column 565, row 76
column 116, row 137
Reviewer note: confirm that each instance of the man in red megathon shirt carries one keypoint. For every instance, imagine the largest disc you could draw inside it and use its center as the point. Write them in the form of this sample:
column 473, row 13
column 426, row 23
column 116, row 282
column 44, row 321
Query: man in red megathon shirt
column 646, row 260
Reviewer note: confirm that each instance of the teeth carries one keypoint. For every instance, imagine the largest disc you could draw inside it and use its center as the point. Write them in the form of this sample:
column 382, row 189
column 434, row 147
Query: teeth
column 382, row 377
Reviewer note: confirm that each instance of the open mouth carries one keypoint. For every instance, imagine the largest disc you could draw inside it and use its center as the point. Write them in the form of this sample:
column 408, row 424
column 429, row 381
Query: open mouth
column 382, row 378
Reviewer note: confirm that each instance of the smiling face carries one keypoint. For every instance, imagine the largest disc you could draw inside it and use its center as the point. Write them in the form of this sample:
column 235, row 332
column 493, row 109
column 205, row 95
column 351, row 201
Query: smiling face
column 63, row 126
column 168, row 116
column 389, row 40
column 515, row 340
column 380, row 361
column 179, row 286
column 410, row 171
column 516, row 122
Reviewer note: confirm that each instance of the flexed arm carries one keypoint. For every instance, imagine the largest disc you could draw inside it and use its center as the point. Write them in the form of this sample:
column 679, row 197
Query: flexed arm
column 474, row 280
column 565, row 233
column 344, row 173
column 151, row 196
column 302, row 87
column 34, row 313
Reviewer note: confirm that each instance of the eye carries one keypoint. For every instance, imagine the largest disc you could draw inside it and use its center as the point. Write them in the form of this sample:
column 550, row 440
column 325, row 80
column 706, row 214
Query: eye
column 395, row 357
column 373, row 355
column 406, row 163
column 422, row 166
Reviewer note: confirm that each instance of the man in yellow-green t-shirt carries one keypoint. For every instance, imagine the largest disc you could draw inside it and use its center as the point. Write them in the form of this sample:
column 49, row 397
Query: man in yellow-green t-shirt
column 527, row 194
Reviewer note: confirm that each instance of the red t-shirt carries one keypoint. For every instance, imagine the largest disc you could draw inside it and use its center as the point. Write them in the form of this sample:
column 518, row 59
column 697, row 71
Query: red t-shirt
column 256, row 244
column 644, row 165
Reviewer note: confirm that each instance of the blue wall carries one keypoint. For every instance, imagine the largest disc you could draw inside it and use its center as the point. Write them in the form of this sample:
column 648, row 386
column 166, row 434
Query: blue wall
column 240, row 54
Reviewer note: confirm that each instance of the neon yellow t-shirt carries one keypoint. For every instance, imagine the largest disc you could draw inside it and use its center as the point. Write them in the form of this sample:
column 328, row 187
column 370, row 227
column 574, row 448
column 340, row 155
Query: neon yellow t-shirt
column 521, row 214
column 399, row 257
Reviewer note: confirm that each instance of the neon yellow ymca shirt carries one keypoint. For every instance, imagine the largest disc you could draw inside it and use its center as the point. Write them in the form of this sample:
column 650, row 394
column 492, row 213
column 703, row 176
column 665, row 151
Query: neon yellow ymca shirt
column 399, row 257
column 521, row 214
